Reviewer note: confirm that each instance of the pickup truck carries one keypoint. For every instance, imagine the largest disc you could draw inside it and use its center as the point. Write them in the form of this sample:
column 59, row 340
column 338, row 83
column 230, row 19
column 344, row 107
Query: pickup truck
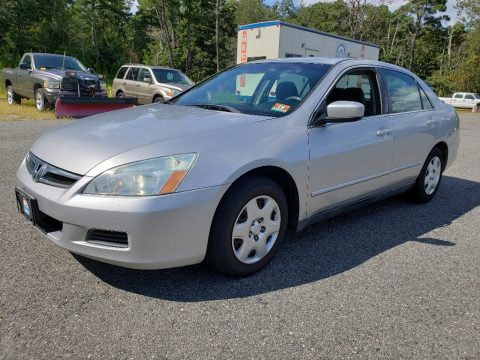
column 46, row 77
column 464, row 100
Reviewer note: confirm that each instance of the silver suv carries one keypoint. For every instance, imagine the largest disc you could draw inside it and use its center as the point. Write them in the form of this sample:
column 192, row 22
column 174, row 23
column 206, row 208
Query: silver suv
column 149, row 83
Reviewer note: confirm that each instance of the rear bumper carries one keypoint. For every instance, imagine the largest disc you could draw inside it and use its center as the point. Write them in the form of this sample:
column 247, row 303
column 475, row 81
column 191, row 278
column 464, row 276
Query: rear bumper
column 163, row 231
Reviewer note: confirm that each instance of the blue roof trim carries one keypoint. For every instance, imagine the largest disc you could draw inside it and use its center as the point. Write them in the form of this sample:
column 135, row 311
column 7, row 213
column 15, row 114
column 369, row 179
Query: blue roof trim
column 298, row 27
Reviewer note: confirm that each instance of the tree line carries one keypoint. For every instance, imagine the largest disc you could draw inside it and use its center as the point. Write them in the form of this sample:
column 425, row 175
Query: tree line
column 199, row 36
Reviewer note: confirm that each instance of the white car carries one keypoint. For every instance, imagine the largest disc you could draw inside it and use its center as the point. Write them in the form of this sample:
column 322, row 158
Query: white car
column 463, row 100
column 221, row 173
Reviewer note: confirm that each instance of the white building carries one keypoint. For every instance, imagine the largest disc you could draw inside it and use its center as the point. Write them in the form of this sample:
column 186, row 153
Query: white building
column 278, row 39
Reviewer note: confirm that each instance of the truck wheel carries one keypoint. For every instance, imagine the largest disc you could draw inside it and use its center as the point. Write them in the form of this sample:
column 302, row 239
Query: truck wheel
column 40, row 101
column 120, row 95
column 12, row 98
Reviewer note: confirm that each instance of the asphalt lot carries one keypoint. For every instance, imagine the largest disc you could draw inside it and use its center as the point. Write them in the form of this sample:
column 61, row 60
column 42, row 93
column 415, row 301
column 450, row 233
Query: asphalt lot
column 392, row 280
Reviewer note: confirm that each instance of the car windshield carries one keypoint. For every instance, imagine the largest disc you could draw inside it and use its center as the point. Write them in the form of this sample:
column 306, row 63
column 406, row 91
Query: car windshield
column 167, row 76
column 58, row 62
column 266, row 88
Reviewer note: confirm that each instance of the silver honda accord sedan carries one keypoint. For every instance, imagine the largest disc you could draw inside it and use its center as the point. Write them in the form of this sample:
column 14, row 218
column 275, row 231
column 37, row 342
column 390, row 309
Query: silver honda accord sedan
column 223, row 170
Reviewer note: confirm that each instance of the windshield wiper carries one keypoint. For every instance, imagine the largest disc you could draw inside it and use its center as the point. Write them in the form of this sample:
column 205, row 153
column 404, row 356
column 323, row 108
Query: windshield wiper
column 217, row 107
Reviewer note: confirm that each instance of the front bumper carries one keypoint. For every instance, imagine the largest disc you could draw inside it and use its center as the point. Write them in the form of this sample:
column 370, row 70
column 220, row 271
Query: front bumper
column 163, row 231
column 53, row 94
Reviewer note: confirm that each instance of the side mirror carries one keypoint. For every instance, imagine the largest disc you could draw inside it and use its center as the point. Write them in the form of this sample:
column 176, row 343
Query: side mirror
column 345, row 111
column 147, row 80
column 24, row 66
column 91, row 70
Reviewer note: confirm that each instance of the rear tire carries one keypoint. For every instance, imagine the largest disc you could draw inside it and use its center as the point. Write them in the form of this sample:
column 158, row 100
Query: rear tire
column 120, row 95
column 428, row 181
column 12, row 98
column 249, row 227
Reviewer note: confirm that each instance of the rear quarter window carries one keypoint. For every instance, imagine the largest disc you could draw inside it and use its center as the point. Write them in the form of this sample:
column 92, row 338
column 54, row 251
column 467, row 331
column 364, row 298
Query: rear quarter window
column 121, row 73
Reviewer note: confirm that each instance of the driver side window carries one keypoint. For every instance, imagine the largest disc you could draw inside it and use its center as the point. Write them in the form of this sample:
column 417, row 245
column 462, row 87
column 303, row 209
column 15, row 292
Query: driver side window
column 360, row 86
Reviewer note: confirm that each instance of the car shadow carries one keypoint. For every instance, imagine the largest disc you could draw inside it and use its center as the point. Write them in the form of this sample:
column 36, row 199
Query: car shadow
column 318, row 252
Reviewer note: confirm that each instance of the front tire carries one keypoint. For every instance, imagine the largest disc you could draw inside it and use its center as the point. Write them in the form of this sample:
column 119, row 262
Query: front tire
column 249, row 227
column 41, row 102
column 12, row 98
column 428, row 181
column 158, row 99
column 120, row 95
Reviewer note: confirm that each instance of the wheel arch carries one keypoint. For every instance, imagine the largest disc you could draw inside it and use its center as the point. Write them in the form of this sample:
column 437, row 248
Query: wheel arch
column 7, row 83
column 283, row 178
column 157, row 95
column 36, row 86
column 443, row 147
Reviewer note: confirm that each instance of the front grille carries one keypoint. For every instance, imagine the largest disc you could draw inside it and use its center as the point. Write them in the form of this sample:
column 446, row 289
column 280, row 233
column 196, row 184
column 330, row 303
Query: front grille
column 108, row 238
column 80, row 86
column 45, row 173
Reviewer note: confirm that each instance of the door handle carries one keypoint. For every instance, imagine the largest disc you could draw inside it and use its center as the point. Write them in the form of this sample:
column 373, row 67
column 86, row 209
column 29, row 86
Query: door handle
column 384, row 131
column 124, row 83
column 432, row 122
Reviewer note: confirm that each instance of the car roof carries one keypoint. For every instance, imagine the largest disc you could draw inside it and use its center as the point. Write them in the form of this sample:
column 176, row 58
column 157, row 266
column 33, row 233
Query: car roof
column 151, row 66
column 334, row 61
column 50, row 55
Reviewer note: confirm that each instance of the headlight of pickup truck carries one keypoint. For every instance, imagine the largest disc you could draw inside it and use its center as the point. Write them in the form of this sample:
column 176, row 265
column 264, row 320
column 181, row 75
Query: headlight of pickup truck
column 48, row 84
column 103, row 85
column 156, row 176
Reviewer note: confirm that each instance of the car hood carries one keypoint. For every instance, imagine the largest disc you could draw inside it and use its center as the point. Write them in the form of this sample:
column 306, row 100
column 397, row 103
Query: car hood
column 80, row 146
column 177, row 86
column 59, row 74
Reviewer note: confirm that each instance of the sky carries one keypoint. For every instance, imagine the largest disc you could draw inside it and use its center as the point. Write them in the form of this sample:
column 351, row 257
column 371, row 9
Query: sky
column 394, row 4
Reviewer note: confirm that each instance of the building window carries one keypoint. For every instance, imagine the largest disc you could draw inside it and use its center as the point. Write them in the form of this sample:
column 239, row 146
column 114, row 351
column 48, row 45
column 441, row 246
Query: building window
column 290, row 55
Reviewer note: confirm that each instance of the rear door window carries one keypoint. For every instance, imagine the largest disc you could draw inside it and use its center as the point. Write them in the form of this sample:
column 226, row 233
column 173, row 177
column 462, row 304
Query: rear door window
column 402, row 92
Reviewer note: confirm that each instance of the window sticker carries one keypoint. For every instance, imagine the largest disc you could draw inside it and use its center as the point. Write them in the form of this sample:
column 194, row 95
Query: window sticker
column 281, row 107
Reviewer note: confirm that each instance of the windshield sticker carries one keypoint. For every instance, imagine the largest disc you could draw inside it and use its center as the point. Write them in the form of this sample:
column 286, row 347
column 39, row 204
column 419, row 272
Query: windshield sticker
column 281, row 107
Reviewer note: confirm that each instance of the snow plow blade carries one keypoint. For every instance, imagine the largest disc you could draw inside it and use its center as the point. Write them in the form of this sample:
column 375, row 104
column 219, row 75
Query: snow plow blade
column 78, row 107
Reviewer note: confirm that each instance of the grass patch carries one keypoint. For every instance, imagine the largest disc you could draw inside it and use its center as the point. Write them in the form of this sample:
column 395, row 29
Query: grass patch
column 26, row 111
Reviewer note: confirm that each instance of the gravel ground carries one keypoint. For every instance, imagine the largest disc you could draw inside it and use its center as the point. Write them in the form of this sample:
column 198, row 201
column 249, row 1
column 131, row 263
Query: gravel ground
column 392, row 280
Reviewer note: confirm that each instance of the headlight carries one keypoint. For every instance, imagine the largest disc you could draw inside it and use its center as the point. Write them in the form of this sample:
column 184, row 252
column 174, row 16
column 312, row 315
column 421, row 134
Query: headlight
column 156, row 176
column 169, row 92
column 103, row 85
column 51, row 84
